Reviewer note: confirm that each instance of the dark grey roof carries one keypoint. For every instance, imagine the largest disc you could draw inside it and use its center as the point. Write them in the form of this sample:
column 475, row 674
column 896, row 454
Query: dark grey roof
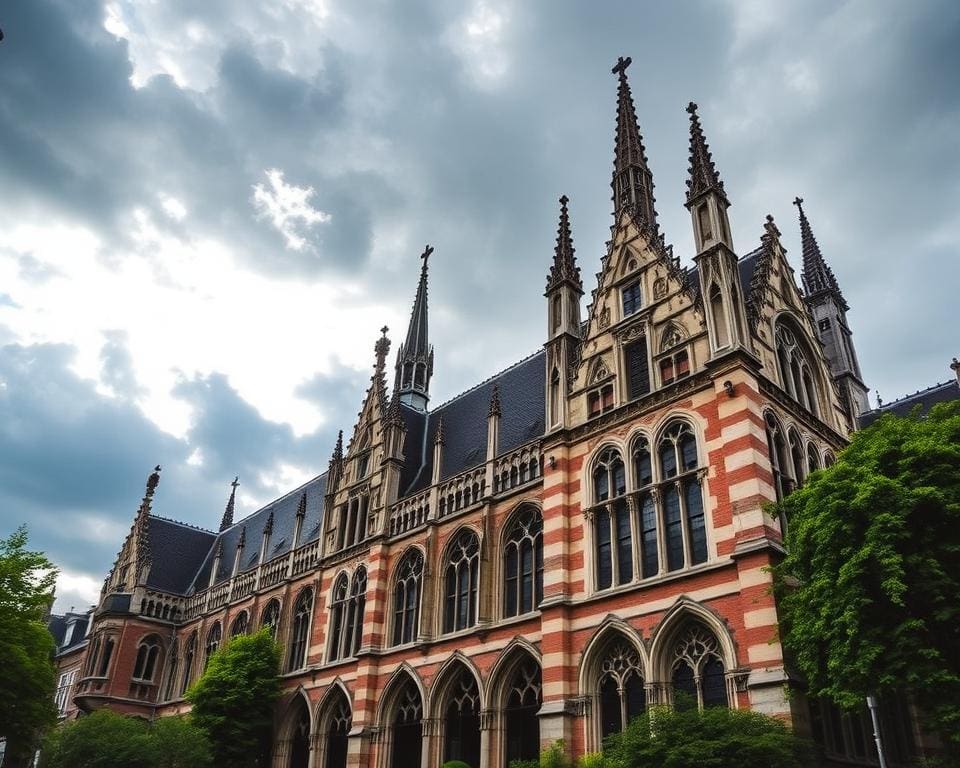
column 177, row 550
column 284, row 512
column 522, row 396
column 925, row 399
column 58, row 626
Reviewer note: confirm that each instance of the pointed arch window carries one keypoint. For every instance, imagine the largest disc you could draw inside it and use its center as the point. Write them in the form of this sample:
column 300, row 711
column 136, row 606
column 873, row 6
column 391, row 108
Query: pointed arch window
column 797, row 461
column 461, row 579
column 794, row 367
column 699, row 678
column 347, row 608
column 172, row 664
column 780, row 462
column 461, row 722
column 302, row 611
column 621, row 688
column 240, row 624
column 647, row 508
column 674, row 358
column 718, row 315
column 407, row 727
column 188, row 659
column 612, row 525
column 555, row 397
column 406, row 597
column 106, row 655
column 813, row 458
column 146, row 662
column 270, row 618
column 523, row 563
column 213, row 643
column 523, row 702
column 684, row 519
column 337, row 731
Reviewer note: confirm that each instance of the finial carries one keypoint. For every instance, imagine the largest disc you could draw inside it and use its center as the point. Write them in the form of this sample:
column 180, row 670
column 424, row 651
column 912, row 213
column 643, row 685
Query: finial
column 692, row 109
column 703, row 176
column 632, row 182
column 495, row 401
column 426, row 254
column 955, row 367
column 798, row 201
column 879, row 399
column 268, row 526
column 564, row 267
column 302, row 506
column 243, row 538
column 438, row 438
column 620, row 68
column 381, row 348
column 153, row 481
column 227, row 520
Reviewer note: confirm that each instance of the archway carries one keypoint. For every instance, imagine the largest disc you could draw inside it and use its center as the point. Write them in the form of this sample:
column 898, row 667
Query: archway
column 335, row 722
column 402, row 717
column 459, row 709
column 299, row 717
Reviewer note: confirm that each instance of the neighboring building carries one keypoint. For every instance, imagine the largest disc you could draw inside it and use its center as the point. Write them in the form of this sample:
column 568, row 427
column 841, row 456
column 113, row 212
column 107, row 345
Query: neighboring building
column 579, row 536
column 70, row 633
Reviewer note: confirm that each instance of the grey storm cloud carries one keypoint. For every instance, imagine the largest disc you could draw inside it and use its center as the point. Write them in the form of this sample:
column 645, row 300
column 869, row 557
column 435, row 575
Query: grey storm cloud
column 394, row 125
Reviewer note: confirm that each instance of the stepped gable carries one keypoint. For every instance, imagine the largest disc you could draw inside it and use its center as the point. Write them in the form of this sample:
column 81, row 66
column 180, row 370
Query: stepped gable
column 284, row 512
column 522, row 391
column 925, row 399
column 178, row 551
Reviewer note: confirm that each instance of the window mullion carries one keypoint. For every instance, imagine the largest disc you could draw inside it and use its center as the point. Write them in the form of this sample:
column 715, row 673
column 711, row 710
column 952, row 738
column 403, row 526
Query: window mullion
column 633, row 510
column 661, row 529
column 684, row 524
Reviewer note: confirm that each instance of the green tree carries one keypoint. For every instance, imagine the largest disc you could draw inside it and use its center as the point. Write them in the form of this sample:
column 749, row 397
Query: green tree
column 233, row 701
column 869, row 588
column 106, row 739
column 27, row 673
column 715, row 737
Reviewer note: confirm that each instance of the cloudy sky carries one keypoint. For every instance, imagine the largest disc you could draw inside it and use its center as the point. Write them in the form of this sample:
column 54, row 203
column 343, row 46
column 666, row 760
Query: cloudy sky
column 208, row 209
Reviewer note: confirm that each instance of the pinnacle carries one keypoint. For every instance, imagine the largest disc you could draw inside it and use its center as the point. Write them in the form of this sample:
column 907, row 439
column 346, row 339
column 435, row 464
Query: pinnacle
column 227, row 519
column 564, row 267
column 816, row 274
column 495, row 401
column 632, row 181
column 703, row 176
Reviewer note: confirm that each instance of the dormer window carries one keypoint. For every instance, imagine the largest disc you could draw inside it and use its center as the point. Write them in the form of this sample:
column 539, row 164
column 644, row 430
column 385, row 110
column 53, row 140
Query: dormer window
column 631, row 298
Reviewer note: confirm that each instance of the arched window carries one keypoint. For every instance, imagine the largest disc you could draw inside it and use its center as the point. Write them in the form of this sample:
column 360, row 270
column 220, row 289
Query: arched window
column 622, row 695
column 555, row 397
column 461, row 722
column 146, row 663
column 239, row 626
column 612, row 527
column 523, row 703
column 407, row 727
column 337, row 730
column 523, row 563
column 719, row 317
column 698, row 672
column 647, row 508
column 213, row 643
column 105, row 657
column 796, row 372
column 779, row 463
column 172, row 662
column 797, row 461
column 461, row 578
column 188, row 659
column 684, row 520
column 91, row 663
column 346, row 623
column 813, row 458
column 829, row 459
column 406, row 597
column 270, row 618
column 300, row 737
column 302, row 611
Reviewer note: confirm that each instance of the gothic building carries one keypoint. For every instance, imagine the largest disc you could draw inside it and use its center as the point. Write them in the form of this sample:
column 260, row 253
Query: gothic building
column 541, row 557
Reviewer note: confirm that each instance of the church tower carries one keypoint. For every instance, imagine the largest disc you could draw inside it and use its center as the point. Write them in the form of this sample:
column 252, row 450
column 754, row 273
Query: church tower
column 563, row 292
column 415, row 356
column 719, row 276
column 829, row 310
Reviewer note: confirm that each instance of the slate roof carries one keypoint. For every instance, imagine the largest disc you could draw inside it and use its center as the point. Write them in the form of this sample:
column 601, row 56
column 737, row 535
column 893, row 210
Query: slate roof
column 177, row 550
column 57, row 625
column 522, row 399
column 926, row 399
column 284, row 512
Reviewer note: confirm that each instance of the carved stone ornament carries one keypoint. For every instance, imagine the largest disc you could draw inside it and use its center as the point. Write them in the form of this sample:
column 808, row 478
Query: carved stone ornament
column 631, row 333
column 600, row 373
column 604, row 317
column 659, row 288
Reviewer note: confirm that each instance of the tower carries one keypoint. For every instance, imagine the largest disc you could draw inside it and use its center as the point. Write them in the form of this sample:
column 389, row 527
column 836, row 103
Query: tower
column 632, row 180
column 415, row 356
column 719, row 276
column 829, row 310
column 563, row 292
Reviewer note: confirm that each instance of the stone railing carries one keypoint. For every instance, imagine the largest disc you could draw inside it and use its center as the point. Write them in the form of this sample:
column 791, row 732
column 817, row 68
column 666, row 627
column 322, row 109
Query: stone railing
column 195, row 605
column 275, row 571
column 409, row 513
column 243, row 585
column 160, row 605
column 461, row 492
column 306, row 557
column 517, row 468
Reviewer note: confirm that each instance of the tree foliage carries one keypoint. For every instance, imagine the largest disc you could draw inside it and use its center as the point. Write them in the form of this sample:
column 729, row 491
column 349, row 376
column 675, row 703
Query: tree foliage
column 869, row 588
column 715, row 737
column 27, row 673
column 234, row 699
column 106, row 739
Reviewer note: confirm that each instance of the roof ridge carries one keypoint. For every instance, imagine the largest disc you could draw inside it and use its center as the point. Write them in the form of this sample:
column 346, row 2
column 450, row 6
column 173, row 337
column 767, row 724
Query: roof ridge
column 487, row 380
column 932, row 387
column 185, row 525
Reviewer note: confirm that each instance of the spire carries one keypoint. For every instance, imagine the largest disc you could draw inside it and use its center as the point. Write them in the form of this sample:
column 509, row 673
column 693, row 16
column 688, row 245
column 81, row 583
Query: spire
column 268, row 526
column 816, row 275
column 761, row 271
column 227, row 519
column 242, row 542
column 703, row 174
column 415, row 357
column 143, row 556
column 337, row 456
column 302, row 506
column 564, row 268
column 495, row 401
column 632, row 181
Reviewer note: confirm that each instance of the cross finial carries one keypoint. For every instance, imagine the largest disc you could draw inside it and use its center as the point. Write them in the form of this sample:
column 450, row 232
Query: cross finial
column 383, row 331
column 798, row 201
column 236, row 482
column 621, row 66
column 564, row 200
column 692, row 108
column 426, row 253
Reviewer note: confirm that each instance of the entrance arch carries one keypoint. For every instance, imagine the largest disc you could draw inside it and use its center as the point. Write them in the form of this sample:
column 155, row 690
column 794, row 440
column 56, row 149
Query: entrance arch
column 298, row 733
column 334, row 724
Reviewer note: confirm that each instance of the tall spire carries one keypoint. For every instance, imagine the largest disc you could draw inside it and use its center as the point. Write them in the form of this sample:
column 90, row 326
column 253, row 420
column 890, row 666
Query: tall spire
column 564, row 268
column 227, row 519
column 143, row 554
column 703, row 173
column 816, row 275
column 632, row 181
column 415, row 356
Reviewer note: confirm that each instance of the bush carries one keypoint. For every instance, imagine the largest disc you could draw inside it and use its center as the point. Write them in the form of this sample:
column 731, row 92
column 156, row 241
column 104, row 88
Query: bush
column 712, row 738
column 456, row 764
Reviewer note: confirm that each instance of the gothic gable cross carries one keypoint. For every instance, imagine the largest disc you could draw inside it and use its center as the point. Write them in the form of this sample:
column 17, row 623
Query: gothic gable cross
column 621, row 66
column 426, row 254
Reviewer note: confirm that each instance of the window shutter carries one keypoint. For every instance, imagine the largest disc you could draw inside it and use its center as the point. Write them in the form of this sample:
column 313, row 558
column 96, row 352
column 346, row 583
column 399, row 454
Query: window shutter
column 638, row 371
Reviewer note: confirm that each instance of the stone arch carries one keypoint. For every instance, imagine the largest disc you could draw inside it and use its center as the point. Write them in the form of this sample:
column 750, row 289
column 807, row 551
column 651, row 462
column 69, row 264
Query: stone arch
column 634, row 436
column 333, row 718
column 470, row 565
column 456, row 703
column 295, row 731
column 610, row 630
column 515, row 697
column 590, row 463
column 401, row 718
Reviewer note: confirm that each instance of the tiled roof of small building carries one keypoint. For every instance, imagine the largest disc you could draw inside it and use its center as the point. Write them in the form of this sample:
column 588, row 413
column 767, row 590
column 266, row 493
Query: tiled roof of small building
column 925, row 399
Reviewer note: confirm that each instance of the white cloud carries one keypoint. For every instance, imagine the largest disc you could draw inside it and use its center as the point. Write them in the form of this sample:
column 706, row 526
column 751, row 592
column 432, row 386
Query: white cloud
column 175, row 209
column 76, row 590
column 288, row 208
column 479, row 39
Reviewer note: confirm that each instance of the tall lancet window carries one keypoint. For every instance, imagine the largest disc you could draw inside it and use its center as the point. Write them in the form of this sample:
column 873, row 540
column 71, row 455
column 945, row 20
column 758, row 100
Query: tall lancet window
column 188, row 659
column 612, row 528
column 795, row 369
column 270, row 618
column 461, row 579
column 346, row 609
column 406, row 597
column 647, row 508
column 523, row 563
column 555, row 397
column 213, row 643
column 699, row 678
column 622, row 695
column 299, row 637
column 719, row 317
column 684, row 520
